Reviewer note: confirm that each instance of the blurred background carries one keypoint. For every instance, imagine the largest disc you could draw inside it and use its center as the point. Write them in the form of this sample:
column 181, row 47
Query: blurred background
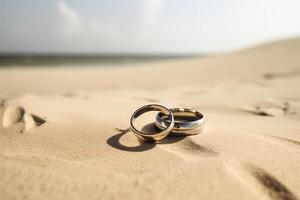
column 102, row 32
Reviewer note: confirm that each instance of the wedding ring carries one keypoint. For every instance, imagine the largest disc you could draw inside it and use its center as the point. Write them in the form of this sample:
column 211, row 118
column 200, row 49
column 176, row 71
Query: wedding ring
column 187, row 121
column 164, row 131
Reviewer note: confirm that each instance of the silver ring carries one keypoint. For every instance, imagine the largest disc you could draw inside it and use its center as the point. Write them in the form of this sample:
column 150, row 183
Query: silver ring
column 187, row 121
column 164, row 131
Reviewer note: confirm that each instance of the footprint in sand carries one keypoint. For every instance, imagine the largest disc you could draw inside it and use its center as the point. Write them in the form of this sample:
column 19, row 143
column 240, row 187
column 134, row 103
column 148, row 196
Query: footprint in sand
column 274, row 188
column 32, row 121
column 12, row 115
column 15, row 113
column 262, row 181
column 271, row 108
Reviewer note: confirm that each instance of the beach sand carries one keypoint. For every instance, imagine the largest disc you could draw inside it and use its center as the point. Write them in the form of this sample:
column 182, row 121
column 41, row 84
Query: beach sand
column 64, row 131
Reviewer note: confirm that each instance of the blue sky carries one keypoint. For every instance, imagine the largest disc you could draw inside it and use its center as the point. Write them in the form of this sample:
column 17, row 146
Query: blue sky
column 144, row 26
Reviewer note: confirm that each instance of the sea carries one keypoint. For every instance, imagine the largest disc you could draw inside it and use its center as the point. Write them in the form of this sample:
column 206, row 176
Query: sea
column 65, row 60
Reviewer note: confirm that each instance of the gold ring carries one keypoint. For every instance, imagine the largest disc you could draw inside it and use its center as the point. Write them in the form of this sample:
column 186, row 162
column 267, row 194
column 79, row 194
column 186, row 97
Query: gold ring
column 146, row 137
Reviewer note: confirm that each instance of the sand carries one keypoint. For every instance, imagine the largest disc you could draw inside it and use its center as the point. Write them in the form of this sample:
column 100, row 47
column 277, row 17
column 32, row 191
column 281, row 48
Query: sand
column 64, row 131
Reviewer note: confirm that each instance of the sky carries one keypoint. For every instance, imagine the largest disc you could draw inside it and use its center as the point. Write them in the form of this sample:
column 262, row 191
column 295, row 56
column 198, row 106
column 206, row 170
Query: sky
column 144, row 26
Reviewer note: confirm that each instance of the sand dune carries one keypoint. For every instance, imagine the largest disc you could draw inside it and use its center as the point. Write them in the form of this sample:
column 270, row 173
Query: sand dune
column 65, row 131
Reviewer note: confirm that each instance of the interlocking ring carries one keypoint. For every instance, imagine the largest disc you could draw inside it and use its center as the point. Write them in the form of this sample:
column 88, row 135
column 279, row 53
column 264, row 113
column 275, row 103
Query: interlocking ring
column 164, row 131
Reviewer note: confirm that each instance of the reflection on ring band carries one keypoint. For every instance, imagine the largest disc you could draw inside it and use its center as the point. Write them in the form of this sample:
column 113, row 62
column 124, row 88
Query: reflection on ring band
column 187, row 121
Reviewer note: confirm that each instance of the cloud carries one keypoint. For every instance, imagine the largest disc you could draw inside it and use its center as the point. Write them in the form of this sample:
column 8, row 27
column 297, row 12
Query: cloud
column 69, row 16
column 144, row 25
column 150, row 10
column 78, row 31
column 72, row 20
column 85, row 33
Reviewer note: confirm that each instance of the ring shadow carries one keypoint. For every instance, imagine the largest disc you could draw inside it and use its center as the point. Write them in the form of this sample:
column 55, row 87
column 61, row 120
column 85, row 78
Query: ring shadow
column 114, row 141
